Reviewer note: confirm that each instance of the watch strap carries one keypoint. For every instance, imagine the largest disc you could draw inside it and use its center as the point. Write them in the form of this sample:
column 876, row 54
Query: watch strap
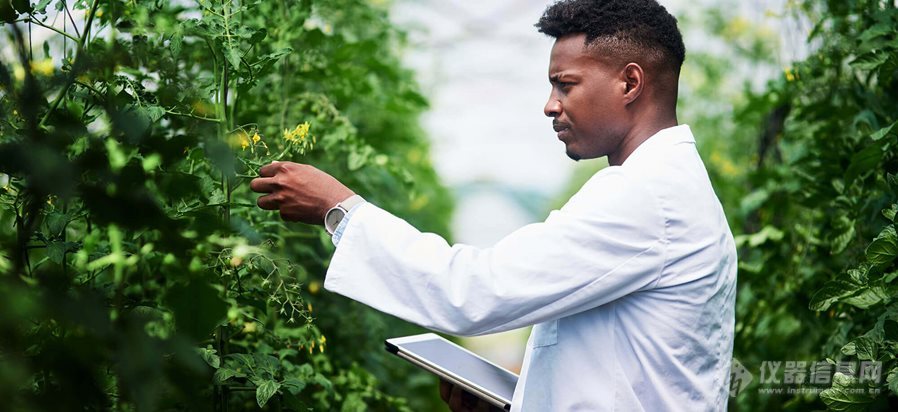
column 353, row 200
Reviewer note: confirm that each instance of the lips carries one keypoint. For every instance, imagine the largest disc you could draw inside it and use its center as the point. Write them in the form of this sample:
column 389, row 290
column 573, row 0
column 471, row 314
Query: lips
column 563, row 130
column 559, row 127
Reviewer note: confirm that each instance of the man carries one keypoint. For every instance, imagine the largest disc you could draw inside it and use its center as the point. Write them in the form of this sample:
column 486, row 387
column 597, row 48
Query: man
column 630, row 286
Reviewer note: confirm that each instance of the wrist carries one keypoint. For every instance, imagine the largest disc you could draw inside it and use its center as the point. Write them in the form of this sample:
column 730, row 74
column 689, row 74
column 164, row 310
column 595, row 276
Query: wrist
column 338, row 212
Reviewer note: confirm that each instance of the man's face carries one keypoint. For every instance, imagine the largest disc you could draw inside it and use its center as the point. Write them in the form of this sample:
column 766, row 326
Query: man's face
column 586, row 103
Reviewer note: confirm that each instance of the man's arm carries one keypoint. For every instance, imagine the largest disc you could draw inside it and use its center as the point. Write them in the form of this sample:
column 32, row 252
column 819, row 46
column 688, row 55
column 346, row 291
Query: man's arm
column 608, row 241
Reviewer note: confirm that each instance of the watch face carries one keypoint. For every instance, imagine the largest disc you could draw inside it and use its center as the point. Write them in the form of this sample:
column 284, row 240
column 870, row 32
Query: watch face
column 333, row 218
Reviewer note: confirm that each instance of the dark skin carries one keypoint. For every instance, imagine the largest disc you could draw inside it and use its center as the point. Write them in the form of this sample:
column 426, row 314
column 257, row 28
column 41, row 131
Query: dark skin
column 462, row 401
column 601, row 105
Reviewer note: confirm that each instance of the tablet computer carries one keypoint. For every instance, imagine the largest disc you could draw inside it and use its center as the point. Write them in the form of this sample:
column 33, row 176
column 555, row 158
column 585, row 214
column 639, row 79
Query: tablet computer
column 458, row 366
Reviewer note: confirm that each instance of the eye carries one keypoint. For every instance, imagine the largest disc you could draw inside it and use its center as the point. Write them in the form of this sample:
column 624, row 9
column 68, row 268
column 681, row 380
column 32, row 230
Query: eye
column 564, row 85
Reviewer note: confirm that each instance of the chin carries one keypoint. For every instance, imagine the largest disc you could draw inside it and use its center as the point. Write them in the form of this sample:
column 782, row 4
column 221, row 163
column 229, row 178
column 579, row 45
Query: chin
column 574, row 156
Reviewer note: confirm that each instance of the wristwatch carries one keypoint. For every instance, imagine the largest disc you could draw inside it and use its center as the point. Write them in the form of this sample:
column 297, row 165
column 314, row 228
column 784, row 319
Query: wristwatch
column 335, row 215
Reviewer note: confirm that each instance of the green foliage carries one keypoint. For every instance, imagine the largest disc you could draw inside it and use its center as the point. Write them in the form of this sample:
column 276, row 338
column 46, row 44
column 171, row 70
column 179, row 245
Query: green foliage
column 135, row 270
column 816, row 222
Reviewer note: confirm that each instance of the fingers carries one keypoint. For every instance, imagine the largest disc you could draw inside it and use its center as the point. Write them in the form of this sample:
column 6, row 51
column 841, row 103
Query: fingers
column 471, row 402
column 263, row 184
column 268, row 202
column 445, row 390
column 270, row 169
column 462, row 401
column 455, row 399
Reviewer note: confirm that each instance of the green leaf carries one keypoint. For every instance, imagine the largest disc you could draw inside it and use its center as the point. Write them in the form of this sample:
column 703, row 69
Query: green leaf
column 845, row 396
column 245, row 361
column 863, row 162
column 879, row 134
column 208, row 355
column 41, row 7
column 870, row 61
column 153, row 113
column 845, row 237
column 177, row 40
column 56, row 223
column 863, row 347
column 117, row 157
column 830, row 293
column 359, row 158
column 223, row 374
column 877, row 30
column 754, row 200
column 23, row 6
column 265, row 391
column 884, row 247
column 875, row 37
column 892, row 380
column 267, row 364
column 151, row 162
column 294, row 385
column 233, row 56
column 858, row 275
column 7, row 14
column 319, row 379
column 353, row 403
column 56, row 252
column 867, row 297
column 891, row 212
column 756, row 239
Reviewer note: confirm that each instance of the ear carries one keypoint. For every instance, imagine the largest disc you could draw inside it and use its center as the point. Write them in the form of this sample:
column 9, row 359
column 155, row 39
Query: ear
column 634, row 81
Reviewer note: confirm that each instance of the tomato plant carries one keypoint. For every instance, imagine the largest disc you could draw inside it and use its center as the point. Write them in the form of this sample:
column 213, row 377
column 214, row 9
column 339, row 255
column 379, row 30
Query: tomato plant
column 137, row 272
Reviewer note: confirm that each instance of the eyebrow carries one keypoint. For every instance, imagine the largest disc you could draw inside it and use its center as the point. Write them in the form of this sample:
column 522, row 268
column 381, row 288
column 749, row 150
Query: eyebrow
column 556, row 78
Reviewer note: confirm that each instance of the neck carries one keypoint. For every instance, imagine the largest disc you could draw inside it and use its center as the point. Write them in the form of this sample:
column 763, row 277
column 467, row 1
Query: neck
column 641, row 131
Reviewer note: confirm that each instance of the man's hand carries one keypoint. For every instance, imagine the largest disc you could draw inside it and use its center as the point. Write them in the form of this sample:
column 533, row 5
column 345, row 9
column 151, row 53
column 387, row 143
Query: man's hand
column 462, row 401
column 300, row 192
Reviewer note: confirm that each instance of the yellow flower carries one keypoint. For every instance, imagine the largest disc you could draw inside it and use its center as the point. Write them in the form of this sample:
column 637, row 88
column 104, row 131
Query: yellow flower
column 249, row 327
column 239, row 139
column 256, row 137
column 297, row 134
column 18, row 73
column 314, row 287
column 791, row 75
column 43, row 67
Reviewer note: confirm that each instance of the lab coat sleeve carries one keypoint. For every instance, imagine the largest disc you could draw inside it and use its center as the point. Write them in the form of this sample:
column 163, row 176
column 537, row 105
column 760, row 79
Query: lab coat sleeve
column 606, row 242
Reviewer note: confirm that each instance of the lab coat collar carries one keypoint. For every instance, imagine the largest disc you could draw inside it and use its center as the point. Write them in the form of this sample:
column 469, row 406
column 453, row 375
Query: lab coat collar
column 663, row 138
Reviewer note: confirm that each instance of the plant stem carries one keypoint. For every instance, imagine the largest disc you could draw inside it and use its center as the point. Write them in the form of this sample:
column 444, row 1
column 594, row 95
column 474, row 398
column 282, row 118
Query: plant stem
column 78, row 52
column 39, row 23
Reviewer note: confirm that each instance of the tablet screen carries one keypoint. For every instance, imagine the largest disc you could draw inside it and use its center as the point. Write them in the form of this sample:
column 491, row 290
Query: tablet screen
column 458, row 361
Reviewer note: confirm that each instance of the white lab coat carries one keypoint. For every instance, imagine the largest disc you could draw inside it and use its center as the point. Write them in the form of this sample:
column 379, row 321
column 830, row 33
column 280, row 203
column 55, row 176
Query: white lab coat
column 631, row 286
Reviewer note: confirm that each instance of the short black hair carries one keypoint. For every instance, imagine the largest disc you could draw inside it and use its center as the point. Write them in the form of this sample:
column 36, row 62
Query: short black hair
column 626, row 28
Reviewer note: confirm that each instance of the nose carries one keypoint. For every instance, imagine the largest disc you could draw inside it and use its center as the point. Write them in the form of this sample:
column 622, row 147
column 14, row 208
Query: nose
column 553, row 107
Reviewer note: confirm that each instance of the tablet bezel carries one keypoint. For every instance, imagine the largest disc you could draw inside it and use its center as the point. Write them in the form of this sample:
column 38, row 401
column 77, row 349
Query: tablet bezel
column 393, row 346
